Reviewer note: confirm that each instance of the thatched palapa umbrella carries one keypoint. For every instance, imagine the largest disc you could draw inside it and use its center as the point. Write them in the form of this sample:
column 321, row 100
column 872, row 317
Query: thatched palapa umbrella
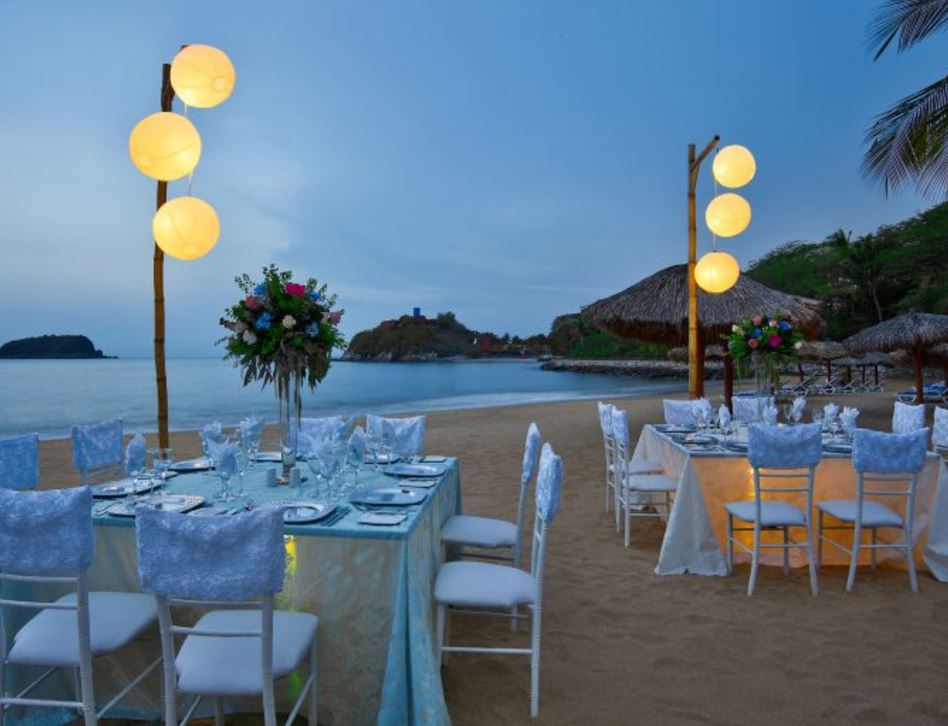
column 915, row 332
column 822, row 350
column 656, row 308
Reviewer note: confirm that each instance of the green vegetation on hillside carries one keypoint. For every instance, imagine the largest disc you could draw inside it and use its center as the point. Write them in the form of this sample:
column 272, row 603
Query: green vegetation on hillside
column 861, row 282
column 572, row 337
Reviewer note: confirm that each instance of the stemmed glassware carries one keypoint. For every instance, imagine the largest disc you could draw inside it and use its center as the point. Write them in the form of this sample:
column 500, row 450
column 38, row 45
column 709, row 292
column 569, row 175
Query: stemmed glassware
column 355, row 458
column 162, row 459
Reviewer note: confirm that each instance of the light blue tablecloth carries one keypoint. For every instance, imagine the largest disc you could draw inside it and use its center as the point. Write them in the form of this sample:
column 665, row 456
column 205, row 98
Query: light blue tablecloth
column 370, row 586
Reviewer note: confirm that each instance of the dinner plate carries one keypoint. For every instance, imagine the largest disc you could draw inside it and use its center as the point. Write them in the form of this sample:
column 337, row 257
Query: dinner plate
column 385, row 496
column 201, row 463
column 381, row 458
column 419, row 483
column 701, row 439
column 415, row 470
column 303, row 511
column 166, row 502
column 269, row 456
column 735, row 445
column 677, row 429
column 123, row 488
column 382, row 519
column 434, row 459
column 838, row 448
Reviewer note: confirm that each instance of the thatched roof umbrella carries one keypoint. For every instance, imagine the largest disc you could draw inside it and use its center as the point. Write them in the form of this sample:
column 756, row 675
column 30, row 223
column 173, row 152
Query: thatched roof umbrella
column 914, row 331
column 656, row 308
column 711, row 352
column 823, row 350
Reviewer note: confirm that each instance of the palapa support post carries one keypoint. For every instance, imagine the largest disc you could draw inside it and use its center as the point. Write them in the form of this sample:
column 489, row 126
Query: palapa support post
column 695, row 360
column 158, row 277
column 919, row 381
column 729, row 382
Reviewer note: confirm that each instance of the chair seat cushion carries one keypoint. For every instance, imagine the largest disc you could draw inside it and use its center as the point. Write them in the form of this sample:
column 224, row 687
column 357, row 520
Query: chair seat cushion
column 483, row 585
column 232, row 666
column 51, row 638
column 874, row 514
column 772, row 513
column 653, row 483
column 641, row 466
column 464, row 529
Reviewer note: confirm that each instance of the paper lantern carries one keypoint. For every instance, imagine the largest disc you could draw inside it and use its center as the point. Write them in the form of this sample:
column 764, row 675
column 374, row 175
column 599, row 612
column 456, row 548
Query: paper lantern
column 717, row 272
column 728, row 214
column 202, row 76
column 734, row 166
column 186, row 228
column 165, row 146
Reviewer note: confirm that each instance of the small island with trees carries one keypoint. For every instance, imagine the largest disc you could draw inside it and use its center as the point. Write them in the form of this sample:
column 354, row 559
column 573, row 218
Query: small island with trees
column 51, row 346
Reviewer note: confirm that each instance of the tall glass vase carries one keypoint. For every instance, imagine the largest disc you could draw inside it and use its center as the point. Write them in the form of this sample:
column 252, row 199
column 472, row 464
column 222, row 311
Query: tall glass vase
column 289, row 389
column 761, row 383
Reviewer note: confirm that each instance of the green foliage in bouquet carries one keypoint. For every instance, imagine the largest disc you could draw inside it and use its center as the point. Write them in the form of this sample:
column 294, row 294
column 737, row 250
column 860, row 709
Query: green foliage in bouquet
column 771, row 340
column 281, row 327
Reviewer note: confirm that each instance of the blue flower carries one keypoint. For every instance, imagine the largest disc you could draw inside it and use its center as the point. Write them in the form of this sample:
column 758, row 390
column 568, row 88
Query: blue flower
column 263, row 322
column 312, row 330
column 784, row 325
column 314, row 296
column 260, row 290
column 756, row 333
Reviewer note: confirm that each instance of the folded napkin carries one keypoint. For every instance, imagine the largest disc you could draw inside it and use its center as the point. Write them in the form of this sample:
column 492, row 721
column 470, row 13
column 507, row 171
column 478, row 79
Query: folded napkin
column 703, row 409
column 830, row 410
column 770, row 415
column 251, row 429
column 724, row 417
column 225, row 457
column 848, row 417
column 213, row 432
column 357, row 446
column 135, row 454
column 798, row 405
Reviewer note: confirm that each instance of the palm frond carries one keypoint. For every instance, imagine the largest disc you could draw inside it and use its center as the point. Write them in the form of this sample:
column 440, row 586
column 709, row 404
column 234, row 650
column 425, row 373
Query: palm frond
column 909, row 20
column 909, row 142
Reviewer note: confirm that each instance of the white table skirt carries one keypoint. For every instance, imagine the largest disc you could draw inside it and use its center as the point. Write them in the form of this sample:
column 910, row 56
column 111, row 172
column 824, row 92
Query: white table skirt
column 695, row 536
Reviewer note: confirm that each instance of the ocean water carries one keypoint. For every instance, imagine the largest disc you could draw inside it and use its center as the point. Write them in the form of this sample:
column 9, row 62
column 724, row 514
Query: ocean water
column 49, row 396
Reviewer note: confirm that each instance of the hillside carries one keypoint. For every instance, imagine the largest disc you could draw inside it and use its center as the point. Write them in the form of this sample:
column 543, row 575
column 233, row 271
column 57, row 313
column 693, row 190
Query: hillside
column 51, row 346
column 861, row 282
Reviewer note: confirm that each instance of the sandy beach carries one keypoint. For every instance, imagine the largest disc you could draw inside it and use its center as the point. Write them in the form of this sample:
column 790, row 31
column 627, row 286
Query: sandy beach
column 623, row 646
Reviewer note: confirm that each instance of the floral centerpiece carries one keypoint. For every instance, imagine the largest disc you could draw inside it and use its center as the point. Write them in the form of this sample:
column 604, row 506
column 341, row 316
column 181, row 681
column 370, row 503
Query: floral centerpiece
column 764, row 341
column 283, row 332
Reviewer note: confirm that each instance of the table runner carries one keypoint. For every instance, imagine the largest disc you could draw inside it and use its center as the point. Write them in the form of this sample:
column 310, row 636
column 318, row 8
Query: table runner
column 370, row 586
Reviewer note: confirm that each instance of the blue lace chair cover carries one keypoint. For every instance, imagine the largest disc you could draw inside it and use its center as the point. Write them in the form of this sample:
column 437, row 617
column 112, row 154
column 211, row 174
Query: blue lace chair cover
column 605, row 418
column 882, row 453
column 46, row 532
column 784, row 447
column 136, row 454
column 907, row 418
column 940, row 432
column 530, row 449
column 678, row 413
column 224, row 559
column 408, row 433
column 19, row 462
column 549, row 482
column 620, row 427
column 98, row 445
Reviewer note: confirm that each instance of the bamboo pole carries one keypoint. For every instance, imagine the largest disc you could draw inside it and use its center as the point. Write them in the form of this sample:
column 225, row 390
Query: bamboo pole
column 695, row 362
column 158, row 278
column 729, row 382
column 919, row 381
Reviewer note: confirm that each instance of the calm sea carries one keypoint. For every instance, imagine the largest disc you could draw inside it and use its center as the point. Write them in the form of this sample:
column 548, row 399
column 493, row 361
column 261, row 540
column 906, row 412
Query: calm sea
column 49, row 395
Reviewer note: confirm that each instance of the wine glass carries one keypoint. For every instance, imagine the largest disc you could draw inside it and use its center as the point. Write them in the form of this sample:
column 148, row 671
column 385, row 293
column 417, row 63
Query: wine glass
column 835, row 426
column 162, row 459
column 355, row 457
column 818, row 418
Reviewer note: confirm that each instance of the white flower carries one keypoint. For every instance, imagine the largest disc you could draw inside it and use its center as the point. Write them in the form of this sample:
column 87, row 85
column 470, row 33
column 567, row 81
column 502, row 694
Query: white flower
column 736, row 329
column 326, row 317
column 798, row 344
column 289, row 321
column 249, row 337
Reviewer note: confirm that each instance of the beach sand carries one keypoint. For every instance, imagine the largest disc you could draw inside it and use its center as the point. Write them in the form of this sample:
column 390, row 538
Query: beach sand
column 624, row 646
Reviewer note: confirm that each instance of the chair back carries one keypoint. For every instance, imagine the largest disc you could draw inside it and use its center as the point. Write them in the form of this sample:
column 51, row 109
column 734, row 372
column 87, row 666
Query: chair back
column 608, row 446
column 679, row 413
column 907, row 418
column 97, row 449
column 531, row 448
column 549, row 483
column 940, row 431
column 620, row 433
column 746, row 407
column 781, row 453
column 19, row 462
column 407, row 433
column 888, row 460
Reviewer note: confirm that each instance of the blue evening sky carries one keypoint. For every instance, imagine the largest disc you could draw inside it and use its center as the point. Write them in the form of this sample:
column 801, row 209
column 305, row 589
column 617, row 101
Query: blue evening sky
column 510, row 161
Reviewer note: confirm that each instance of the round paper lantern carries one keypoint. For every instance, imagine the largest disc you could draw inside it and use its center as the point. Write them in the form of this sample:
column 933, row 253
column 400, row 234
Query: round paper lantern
column 734, row 166
column 165, row 146
column 717, row 272
column 202, row 76
column 728, row 214
column 186, row 228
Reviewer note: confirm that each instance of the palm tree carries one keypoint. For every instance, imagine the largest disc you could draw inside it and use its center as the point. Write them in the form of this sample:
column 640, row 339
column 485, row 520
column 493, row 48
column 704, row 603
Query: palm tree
column 909, row 141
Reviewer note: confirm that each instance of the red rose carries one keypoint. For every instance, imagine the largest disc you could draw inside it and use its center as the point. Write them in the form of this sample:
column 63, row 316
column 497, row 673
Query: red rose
column 294, row 289
column 251, row 303
column 775, row 341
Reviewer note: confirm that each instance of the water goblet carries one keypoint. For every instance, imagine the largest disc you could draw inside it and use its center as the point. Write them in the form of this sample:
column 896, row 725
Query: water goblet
column 818, row 418
column 162, row 459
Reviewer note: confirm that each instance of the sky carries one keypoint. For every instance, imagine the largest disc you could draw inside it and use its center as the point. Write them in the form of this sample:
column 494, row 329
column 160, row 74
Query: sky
column 508, row 161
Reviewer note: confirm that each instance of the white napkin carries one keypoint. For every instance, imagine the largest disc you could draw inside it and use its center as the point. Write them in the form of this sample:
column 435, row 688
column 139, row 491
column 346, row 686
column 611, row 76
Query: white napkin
column 799, row 404
column 251, row 429
column 225, row 457
column 770, row 415
column 213, row 432
column 830, row 410
column 724, row 417
column 704, row 409
column 848, row 417
column 135, row 454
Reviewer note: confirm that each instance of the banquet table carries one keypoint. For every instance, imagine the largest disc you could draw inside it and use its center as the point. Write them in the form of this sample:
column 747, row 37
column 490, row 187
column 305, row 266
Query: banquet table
column 370, row 586
column 711, row 475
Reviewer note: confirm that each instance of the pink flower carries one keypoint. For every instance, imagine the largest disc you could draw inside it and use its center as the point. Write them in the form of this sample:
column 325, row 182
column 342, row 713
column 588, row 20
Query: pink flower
column 294, row 289
column 335, row 316
column 251, row 303
column 757, row 320
column 775, row 341
column 752, row 343
column 773, row 323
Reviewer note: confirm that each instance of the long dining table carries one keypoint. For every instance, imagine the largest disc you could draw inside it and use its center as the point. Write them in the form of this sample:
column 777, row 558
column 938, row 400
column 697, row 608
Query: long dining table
column 713, row 472
column 371, row 587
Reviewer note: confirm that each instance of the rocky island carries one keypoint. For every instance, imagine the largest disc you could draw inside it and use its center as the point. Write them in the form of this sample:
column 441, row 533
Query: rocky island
column 51, row 346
